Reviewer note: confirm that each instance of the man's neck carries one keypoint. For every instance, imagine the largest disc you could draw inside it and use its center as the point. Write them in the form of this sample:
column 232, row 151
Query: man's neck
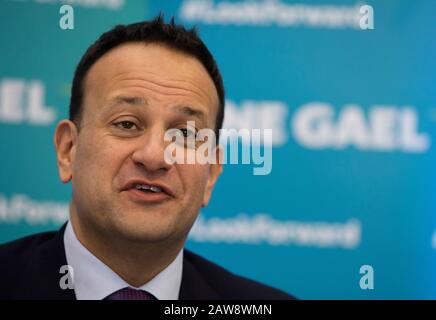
column 135, row 262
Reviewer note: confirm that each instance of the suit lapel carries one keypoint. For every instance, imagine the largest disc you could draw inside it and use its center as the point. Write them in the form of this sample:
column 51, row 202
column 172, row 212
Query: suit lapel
column 194, row 286
column 44, row 270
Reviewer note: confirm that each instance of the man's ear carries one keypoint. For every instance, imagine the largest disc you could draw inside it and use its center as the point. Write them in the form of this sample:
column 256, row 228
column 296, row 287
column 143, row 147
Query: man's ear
column 215, row 171
column 65, row 140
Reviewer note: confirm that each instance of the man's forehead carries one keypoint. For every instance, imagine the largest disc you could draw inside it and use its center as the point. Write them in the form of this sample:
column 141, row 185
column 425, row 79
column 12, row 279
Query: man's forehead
column 157, row 65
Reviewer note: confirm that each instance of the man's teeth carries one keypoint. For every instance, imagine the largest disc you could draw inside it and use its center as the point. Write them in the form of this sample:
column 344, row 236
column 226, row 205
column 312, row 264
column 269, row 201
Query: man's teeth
column 148, row 188
column 155, row 189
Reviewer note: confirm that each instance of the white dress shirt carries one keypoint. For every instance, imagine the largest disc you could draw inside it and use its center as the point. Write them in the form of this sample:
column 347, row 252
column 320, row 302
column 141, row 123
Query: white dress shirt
column 93, row 280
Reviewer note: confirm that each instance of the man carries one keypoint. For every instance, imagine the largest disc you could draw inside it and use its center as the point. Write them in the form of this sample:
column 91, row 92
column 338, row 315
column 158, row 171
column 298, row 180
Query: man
column 131, row 210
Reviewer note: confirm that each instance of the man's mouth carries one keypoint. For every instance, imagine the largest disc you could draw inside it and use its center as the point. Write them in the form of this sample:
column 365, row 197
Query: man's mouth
column 147, row 191
column 147, row 188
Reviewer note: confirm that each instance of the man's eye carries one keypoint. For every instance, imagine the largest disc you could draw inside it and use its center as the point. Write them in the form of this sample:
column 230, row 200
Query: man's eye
column 188, row 132
column 125, row 125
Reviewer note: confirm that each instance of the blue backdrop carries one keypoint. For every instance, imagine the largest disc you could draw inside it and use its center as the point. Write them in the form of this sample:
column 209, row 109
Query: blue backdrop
column 353, row 115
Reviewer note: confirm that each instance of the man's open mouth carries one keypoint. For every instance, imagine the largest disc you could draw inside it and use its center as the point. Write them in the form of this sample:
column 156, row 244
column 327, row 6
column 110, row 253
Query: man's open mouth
column 148, row 188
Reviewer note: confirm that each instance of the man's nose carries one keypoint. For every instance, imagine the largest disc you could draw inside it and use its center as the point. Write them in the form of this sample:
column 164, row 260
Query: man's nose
column 150, row 150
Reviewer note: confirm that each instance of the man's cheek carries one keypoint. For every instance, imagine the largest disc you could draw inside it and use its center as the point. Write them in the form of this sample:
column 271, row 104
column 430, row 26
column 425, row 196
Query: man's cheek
column 197, row 187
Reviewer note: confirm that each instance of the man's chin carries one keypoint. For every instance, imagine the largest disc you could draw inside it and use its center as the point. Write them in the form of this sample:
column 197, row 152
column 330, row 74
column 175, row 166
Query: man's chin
column 144, row 233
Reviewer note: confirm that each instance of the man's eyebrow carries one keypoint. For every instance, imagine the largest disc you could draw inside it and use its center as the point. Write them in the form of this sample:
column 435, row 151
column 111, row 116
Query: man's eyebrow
column 180, row 109
column 131, row 100
column 190, row 111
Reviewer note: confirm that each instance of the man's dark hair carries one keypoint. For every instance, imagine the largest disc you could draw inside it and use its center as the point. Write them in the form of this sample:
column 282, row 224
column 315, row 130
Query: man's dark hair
column 155, row 31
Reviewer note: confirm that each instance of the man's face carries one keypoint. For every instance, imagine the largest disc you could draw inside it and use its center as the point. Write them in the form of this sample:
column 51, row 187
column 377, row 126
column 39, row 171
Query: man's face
column 133, row 95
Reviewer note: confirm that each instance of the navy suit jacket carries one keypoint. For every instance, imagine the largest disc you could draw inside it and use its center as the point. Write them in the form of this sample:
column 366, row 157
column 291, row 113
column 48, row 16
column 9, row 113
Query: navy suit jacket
column 29, row 269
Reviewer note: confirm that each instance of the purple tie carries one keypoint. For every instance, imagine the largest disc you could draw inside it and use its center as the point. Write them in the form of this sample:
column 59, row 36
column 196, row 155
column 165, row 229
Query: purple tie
column 130, row 294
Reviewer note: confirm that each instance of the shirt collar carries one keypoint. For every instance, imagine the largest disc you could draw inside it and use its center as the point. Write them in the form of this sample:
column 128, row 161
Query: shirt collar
column 93, row 280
